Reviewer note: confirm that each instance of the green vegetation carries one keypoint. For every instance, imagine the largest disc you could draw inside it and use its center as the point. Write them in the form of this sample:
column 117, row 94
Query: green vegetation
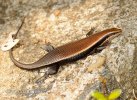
column 112, row 96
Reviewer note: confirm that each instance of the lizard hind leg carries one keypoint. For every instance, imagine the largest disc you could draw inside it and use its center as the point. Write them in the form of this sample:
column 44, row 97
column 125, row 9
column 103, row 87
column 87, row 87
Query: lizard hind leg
column 48, row 47
column 50, row 70
column 53, row 68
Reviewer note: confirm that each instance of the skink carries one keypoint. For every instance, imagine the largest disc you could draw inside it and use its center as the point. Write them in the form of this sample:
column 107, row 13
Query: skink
column 71, row 51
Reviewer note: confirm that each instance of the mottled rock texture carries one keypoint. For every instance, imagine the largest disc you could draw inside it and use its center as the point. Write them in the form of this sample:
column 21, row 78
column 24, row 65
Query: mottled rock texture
column 60, row 22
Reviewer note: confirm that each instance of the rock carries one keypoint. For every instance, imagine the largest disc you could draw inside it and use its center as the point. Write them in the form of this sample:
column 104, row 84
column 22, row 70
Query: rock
column 97, row 63
column 60, row 22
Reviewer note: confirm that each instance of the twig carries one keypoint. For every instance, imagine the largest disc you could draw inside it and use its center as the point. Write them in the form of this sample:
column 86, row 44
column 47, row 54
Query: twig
column 134, row 94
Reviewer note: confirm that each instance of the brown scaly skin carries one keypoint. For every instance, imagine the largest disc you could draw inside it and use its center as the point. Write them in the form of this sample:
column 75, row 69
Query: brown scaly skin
column 71, row 51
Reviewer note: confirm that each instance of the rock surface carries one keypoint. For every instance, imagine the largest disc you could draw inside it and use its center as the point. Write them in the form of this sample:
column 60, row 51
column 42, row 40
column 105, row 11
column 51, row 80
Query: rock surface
column 60, row 22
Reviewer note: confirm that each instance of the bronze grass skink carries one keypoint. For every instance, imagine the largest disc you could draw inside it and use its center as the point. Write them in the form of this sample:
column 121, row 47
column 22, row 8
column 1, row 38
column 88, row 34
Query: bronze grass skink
column 71, row 51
